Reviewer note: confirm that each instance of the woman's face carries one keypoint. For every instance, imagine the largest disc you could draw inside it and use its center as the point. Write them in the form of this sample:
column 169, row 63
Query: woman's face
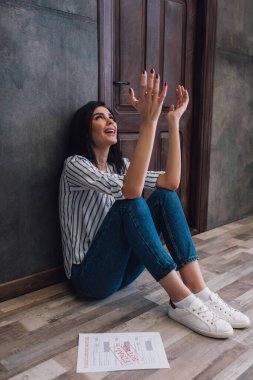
column 103, row 128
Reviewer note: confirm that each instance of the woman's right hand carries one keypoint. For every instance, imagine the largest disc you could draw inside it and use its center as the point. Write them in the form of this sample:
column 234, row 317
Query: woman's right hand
column 149, row 105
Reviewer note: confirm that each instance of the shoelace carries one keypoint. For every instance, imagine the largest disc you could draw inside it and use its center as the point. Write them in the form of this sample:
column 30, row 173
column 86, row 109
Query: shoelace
column 205, row 314
column 222, row 305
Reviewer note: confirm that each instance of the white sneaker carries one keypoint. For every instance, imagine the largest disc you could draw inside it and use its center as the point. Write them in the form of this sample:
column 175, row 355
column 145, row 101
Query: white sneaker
column 198, row 317
column 237, row 319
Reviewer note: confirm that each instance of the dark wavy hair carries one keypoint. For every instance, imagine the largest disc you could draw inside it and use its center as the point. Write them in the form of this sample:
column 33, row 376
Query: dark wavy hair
column 80, row 137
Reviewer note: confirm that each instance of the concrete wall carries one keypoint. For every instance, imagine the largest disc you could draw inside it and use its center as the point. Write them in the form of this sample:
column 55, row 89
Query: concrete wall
column 49, row 68
column 231, row 175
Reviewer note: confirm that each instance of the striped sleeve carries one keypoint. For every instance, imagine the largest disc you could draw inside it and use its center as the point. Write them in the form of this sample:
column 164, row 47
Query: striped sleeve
column 151, row 176
column 81, row 174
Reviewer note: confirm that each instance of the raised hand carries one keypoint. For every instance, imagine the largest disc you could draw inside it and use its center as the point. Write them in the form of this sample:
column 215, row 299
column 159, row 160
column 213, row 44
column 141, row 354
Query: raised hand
column 182, row 98
column 149, row 105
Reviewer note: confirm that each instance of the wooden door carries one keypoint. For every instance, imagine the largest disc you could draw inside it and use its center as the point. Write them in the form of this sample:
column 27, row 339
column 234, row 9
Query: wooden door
column 159, row 34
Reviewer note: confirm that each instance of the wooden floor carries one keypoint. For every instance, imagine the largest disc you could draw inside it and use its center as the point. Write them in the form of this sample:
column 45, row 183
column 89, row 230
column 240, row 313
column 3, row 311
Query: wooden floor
column 39, row 331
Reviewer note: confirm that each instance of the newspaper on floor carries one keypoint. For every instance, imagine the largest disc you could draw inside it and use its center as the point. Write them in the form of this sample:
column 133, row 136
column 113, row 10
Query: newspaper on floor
column 120, row 351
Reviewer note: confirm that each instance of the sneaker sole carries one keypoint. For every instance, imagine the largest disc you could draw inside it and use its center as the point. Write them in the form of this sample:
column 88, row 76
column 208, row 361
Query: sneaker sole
column 238, row 325
column 235, row 325
column 223, row 335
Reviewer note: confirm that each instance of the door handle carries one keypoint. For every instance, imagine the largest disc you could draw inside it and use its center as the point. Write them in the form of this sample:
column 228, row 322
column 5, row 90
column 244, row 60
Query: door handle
column 121, row 82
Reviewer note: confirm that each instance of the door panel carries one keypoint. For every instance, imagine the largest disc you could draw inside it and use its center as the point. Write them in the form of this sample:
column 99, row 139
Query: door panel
column 176, row 38
column 173, row 46
column 127, row 143
column 153, row 34
column 129, row 46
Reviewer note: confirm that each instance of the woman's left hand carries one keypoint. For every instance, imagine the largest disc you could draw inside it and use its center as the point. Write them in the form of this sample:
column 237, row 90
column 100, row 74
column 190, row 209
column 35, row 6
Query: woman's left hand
column 176, row 111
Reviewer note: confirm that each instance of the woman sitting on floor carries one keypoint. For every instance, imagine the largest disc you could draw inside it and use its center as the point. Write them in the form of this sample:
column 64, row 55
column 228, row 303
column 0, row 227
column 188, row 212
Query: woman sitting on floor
column 110, row 233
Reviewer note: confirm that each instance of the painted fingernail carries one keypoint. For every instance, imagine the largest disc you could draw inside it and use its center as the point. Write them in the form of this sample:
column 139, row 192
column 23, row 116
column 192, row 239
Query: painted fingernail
column 152, row 71
column 165, row 84
column 157, row 76
column 129, row 90
column 144, row 71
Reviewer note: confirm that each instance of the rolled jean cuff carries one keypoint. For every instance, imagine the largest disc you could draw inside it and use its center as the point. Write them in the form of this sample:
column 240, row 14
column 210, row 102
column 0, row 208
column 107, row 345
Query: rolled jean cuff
column 164, row 273
column 187, row 261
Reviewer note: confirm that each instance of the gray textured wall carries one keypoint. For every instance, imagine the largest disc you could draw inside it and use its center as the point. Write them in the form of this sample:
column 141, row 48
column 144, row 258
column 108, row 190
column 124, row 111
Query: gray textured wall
column 231, row 175
column 48, row 69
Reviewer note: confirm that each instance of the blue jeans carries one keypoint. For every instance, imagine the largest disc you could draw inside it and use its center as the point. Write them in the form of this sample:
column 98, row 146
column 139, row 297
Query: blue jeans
column 128, row 241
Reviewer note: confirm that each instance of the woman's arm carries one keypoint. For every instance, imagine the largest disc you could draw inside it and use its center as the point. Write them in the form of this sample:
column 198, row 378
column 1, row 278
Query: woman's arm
column 149, row 105
column 171, row 178
column 80, row 174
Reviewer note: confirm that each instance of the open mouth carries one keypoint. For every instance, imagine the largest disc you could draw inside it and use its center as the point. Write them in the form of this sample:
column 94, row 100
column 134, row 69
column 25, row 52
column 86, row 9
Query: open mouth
column 110, row 131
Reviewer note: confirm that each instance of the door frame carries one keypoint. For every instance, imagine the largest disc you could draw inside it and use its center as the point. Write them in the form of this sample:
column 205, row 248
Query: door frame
column 202, row 101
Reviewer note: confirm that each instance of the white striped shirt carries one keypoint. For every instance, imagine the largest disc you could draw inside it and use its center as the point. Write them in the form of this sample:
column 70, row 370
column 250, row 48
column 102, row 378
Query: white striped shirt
column 86, row 195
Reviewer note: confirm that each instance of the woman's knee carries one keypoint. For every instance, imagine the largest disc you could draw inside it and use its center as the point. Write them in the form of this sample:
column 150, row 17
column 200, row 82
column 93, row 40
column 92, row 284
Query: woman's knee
column 162, row 195
column 135, row 204
column 165, row 192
